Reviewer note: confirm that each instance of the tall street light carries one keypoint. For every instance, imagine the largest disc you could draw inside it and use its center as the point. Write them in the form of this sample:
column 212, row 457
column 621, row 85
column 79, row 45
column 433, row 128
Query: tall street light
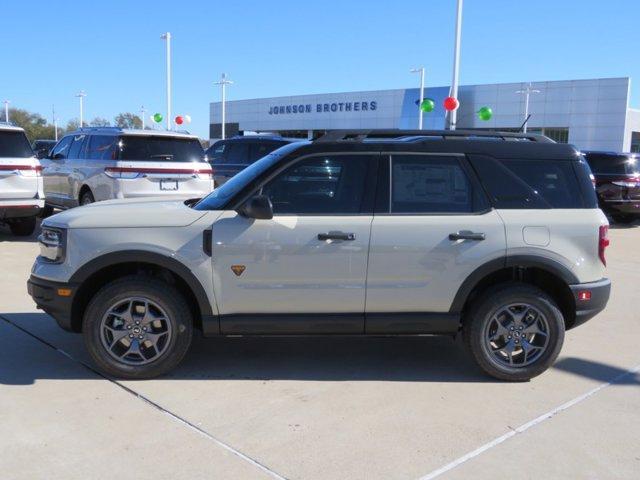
column 167, row 37
column 55, row 122
column 456, row 64
column 421, row 72
column 81, row 96
column 224, row 81
column 6, row 110
column 527, row 91
column 143, row 113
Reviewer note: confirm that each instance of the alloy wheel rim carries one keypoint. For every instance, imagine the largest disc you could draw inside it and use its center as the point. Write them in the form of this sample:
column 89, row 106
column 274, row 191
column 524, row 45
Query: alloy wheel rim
column 135, row 331
column 516, row 336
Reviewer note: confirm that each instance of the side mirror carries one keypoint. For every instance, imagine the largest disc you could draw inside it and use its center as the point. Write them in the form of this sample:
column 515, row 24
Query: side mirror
column 258, row 207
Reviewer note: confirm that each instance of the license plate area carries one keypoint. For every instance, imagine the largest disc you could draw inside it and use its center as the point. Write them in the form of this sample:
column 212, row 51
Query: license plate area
column 168, row 185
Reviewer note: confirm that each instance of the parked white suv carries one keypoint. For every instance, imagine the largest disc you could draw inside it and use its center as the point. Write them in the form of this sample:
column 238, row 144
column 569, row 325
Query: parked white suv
column 94, row 164
column 21, row 195
column 494, row 235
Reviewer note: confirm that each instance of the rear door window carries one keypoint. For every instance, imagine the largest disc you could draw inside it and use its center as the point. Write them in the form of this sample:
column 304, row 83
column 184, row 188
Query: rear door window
column 428, row 184
column 152, row 148
column 102, row 147
column 260, row 149
column 14, row 144
column 612, row 164
column 236, row 153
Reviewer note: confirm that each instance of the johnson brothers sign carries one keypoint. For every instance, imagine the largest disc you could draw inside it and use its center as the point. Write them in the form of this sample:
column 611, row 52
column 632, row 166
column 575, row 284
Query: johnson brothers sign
column 324, row 107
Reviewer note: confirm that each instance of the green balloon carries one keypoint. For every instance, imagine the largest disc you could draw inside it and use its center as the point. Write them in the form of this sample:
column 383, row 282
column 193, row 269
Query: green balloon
column 485, row 113
column 157, row 117
column 427, row 105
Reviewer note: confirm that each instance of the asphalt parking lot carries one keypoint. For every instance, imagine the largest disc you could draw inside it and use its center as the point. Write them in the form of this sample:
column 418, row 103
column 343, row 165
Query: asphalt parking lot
column 299, row 408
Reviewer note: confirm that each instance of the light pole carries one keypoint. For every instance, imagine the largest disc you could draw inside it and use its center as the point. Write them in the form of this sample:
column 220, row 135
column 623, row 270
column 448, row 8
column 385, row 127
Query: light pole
column 55, row 122
column 143, row 112
column 456, row 64
column 81, row 96
column 421, row 72
column 6, row 110
column 167, row 37
column 527, row 91
column 223, row 84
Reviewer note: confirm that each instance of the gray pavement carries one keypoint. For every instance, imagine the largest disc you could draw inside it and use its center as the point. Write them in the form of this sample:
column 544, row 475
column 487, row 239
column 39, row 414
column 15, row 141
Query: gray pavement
column 320, row 408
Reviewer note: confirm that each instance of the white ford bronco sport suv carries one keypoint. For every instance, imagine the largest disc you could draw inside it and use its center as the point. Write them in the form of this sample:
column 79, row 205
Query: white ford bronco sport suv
column 103, row 163
column 496, row 236
column 21, row 194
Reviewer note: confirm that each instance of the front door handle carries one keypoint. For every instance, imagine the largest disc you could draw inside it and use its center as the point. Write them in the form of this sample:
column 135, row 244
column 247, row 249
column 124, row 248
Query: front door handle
column 336, row 236
column 466, row 235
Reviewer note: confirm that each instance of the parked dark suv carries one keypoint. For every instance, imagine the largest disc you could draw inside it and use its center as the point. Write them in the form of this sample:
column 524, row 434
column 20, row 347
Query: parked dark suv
column 617, row 178
column 228, row 157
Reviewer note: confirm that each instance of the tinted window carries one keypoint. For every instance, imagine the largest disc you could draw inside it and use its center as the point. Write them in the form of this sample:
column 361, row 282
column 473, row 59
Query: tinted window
column 102, row 147
column 160, row 149
column 555, row 181
column 431, row 184
column 612, row 164
column 61, row 150
column 76, row 146
column 14, row 144
column 529, row 183
column 325, row 185
column 259, row 150
column 235, row 152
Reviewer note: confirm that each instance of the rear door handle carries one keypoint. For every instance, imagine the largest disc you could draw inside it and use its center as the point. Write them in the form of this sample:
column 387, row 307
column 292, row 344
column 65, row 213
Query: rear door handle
column 466, row 235
column 336, row 236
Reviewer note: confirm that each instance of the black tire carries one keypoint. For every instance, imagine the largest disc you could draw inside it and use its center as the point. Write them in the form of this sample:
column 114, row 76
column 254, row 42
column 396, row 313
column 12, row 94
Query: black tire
column 23, row 227
column 86, row 198
column 157, row 291
column 481, row 313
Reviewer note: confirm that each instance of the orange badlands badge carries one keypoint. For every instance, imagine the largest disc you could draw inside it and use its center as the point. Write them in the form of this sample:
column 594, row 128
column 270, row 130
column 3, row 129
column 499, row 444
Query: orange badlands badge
column 238, row 269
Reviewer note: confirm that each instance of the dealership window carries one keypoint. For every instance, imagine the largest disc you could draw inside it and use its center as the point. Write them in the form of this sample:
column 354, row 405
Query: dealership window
column 557, row 134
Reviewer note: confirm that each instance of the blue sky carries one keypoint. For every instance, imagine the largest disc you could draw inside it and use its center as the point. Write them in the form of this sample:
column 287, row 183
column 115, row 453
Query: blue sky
column 112, row 50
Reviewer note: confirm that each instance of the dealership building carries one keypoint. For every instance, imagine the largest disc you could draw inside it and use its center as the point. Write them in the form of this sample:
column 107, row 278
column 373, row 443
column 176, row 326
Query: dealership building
column 592, row 114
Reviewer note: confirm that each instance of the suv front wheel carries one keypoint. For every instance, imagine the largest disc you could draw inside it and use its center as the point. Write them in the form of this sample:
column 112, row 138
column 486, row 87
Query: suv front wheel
column 137, row 327
column 514, row 331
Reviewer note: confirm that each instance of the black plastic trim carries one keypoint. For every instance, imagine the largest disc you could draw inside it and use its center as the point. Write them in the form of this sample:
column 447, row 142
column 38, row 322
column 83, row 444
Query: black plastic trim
column 292, row 324
column 143, row 256
column 44, row 294
column 587, row 309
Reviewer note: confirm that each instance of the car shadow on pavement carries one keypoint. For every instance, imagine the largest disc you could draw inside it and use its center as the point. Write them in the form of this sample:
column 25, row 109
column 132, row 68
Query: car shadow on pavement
column 321, row 358
column 7, row 236
column 597, row 371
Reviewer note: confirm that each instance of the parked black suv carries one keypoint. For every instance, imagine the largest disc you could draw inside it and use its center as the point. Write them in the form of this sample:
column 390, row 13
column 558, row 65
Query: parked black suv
column 228, row 157
column 617, row 180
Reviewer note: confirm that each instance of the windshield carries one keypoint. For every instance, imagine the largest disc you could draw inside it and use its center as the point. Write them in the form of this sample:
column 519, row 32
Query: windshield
column 14, row 144
column 221, row 195
column 613, row 164
column 160, row 149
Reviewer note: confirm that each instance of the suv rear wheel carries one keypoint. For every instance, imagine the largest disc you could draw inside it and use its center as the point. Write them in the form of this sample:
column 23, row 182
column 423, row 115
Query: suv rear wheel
column 86, row 198
column 137, row 327
column 514, row 332
column 22, row 227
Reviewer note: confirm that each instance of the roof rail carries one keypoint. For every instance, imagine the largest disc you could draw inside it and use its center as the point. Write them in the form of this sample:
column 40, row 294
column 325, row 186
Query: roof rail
column 361, row 135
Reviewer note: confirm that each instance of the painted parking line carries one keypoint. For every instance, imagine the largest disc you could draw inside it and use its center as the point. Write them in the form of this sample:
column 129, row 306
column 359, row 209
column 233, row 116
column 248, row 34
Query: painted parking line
column 150, row 402
column 523, row 428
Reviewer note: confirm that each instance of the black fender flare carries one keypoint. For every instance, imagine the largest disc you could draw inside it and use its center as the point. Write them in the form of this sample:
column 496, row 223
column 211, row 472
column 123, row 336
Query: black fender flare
column 552, row 266
column 153, row 258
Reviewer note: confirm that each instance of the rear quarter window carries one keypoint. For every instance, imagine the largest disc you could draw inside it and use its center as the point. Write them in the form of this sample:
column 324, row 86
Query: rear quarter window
column 530, row 183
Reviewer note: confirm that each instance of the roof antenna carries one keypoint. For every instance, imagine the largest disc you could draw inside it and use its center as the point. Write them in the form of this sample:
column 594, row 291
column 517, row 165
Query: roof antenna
column 521, row 129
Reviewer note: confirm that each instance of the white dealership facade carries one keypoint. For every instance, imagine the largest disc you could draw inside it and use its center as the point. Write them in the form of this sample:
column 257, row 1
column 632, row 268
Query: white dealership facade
column 593, row 114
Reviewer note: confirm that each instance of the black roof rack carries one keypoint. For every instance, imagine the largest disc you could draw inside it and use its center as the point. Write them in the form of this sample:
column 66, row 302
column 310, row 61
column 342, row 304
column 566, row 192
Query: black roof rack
column 361, row 135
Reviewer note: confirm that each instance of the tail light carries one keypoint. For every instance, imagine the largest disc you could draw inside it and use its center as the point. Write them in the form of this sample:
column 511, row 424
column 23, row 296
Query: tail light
column 603, row 242
column 116, row 172
column 24, row 170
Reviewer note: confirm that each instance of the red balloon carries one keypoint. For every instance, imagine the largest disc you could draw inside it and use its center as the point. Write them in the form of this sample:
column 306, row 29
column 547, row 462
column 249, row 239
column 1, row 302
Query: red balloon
column 179, row 120
column 451, row 103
